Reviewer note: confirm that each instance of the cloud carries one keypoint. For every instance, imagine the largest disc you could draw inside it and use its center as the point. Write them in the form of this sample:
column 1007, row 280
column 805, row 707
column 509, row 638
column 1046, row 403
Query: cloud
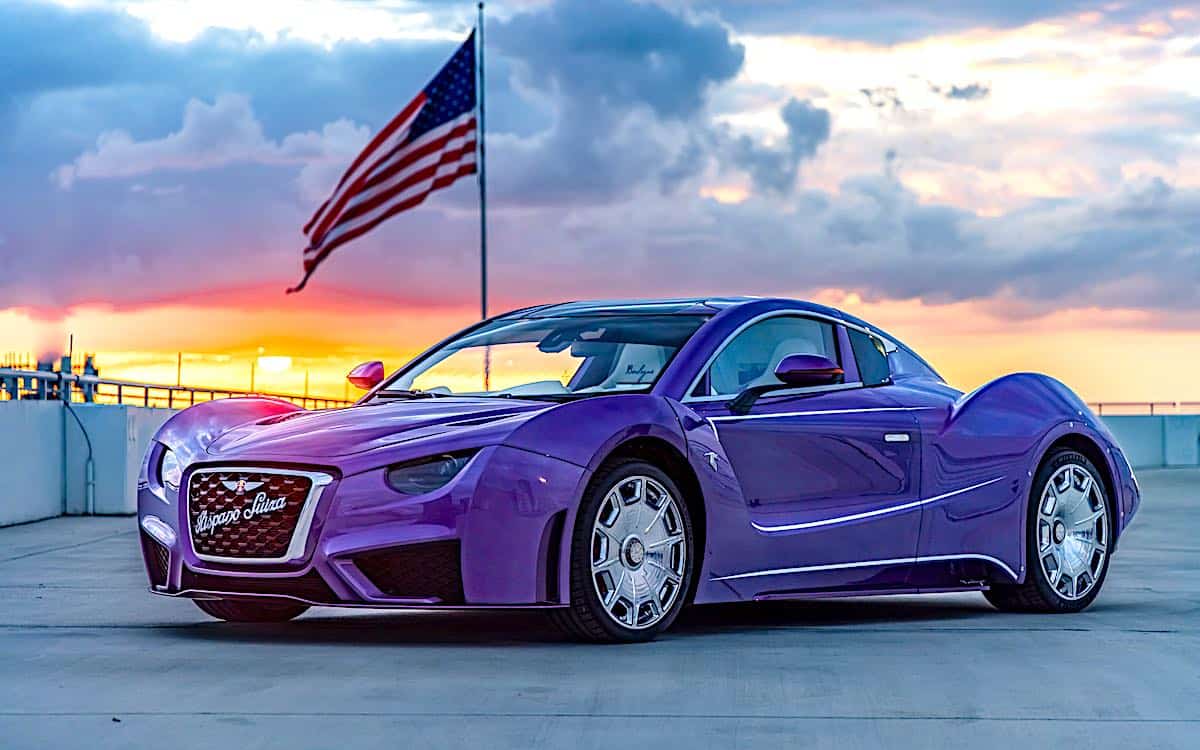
column 193, row 165
column 883, row 98
column 775, row 168
column 213, row 136
column 620, row 54
column 968, row 92
column 897, row 21
column 628, row 84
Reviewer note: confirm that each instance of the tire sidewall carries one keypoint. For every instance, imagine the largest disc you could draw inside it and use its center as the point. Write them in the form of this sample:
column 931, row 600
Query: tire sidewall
column 582, row 586
column 1053, row 463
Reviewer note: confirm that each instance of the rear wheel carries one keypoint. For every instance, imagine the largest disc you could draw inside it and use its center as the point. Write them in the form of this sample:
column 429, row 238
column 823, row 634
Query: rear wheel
column 247, row 611
column 631, row 556
column 1068, row 537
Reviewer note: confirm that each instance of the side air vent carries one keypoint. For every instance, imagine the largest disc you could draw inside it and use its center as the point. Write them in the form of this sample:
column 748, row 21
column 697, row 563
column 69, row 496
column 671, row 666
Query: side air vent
column 430, row 570
column 158, row 560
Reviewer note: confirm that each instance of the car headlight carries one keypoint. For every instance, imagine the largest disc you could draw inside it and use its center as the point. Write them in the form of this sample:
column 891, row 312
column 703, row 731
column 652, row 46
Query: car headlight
column 170, row 471
column 426, row 474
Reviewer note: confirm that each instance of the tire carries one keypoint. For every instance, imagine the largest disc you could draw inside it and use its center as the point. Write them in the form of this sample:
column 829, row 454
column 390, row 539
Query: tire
column 1081, row 571
column 232, row 610
column 651, row 549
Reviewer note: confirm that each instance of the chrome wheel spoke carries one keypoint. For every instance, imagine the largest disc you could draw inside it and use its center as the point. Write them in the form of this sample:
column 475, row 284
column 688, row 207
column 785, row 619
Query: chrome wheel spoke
column 639, row 552
column 666, row 542
column 1072, row 531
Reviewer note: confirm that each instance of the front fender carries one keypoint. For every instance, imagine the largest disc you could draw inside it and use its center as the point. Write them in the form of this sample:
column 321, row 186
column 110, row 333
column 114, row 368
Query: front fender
column 190, row 432
column 585, row 432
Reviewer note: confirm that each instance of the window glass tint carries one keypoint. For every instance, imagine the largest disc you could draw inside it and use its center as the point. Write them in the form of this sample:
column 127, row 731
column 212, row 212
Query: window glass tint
column 871, row 359
column 751, row 358
column 556, row 357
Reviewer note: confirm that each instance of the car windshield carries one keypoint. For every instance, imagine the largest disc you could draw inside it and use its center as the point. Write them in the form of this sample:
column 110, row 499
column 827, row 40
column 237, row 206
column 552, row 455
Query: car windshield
column 564, row 357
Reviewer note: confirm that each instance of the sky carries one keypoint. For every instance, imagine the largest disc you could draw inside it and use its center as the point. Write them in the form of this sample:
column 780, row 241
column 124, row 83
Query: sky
column 1010, row 185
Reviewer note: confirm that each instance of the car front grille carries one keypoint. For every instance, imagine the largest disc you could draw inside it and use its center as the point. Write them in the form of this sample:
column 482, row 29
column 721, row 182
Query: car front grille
column 430, row 570
column 248, row 514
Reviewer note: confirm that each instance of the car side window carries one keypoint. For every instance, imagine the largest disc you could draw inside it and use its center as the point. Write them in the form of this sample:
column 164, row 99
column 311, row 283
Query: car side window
column 752, row 356
column 871, row 358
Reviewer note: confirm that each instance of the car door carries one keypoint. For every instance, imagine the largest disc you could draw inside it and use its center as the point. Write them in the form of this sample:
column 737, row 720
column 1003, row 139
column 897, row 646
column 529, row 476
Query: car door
column 829, row 474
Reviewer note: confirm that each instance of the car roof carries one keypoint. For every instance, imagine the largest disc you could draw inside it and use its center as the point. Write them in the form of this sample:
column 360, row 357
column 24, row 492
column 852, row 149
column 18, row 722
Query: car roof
column 666, row 306
column 693, row 306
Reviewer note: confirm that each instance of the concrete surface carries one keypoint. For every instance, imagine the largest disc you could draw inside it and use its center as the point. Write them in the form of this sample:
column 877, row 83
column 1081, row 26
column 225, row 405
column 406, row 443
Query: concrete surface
column 88, row 659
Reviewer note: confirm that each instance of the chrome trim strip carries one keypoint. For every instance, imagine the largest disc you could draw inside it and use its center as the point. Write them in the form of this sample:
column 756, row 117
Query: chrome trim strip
column 818, row 412
column 869, row 564
column 687, row 394
column 296, row 547
column 782, row 392
column 872, row 513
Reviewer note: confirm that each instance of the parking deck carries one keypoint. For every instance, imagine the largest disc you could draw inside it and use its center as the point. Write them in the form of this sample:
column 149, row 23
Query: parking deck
column 89, row 659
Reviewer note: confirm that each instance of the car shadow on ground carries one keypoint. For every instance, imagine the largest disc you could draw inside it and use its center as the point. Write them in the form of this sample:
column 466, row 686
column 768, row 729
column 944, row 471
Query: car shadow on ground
column 323, row 626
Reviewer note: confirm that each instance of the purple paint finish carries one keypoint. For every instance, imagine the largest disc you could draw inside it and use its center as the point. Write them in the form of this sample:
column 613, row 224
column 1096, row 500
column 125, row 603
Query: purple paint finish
column 834, row 490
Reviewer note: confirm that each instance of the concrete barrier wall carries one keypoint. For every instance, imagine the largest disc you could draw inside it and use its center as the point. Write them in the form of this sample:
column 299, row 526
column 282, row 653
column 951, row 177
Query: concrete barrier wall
column 31, row 450
column 35, row 436
column 120, row 436
column 1160, row 440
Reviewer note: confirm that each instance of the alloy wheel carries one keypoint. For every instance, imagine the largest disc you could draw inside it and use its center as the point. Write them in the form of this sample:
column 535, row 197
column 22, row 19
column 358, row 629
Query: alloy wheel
column 1072, row 531
column 638, row 552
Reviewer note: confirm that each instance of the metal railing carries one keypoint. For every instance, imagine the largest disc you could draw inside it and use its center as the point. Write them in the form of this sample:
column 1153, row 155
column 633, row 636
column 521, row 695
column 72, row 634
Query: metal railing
column 1142, row 408
column 46, row 385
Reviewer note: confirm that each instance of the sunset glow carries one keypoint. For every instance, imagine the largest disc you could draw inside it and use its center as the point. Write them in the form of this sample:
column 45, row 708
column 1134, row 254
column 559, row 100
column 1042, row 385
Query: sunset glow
column 1012, row 191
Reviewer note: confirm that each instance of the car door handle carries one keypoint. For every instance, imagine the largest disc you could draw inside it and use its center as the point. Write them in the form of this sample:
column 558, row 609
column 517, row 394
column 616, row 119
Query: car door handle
column 895, row 437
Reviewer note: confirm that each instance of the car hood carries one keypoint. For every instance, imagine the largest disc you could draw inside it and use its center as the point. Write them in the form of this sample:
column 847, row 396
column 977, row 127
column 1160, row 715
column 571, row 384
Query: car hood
column 342, row 432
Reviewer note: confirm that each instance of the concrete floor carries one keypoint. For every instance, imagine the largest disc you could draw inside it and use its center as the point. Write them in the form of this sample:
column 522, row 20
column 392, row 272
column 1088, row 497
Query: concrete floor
column 89, row 659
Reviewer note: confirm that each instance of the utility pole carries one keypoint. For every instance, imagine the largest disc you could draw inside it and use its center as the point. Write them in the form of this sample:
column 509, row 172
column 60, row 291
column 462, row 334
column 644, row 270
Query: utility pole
column 179, row 368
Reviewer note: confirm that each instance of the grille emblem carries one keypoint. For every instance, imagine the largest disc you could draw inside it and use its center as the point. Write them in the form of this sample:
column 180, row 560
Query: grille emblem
column 241, row 486
column 261, row 505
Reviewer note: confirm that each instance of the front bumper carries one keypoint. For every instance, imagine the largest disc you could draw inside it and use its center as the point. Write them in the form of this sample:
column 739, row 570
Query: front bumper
column 493, row 536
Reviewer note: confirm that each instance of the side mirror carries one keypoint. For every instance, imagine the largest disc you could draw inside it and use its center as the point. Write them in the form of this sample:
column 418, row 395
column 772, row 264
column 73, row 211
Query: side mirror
column 793, row 371
column 808, row 370
column 367, row 375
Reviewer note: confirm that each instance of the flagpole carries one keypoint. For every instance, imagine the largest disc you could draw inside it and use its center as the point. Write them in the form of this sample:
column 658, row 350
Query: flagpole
column 483, row 290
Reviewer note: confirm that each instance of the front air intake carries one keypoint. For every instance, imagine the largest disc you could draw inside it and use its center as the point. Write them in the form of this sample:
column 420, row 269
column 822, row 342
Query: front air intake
column 158, row 560
column 430, row 570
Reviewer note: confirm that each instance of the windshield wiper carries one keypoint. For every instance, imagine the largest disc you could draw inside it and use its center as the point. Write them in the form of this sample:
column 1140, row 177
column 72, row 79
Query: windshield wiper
column 538, row 396
column 398, row 393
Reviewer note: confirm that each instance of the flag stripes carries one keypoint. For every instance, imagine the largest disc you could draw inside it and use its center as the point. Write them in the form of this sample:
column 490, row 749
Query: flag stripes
column 426, row 147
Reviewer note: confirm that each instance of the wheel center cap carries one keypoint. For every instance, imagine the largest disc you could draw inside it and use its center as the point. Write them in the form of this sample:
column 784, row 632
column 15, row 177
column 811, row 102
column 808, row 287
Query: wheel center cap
column 1060, row 532
column 635, row 552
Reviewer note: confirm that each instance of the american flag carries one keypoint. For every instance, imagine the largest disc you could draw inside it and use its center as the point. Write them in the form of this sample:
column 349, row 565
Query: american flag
column 428, row 146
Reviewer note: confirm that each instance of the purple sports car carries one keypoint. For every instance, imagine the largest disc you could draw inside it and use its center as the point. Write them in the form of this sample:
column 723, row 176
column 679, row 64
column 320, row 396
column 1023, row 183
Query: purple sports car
column 613, row 462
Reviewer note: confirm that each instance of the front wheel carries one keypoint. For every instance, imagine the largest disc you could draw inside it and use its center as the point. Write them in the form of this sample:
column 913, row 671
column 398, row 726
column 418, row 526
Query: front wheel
column 632, row 554
column 1068, row 538
column 247, row 611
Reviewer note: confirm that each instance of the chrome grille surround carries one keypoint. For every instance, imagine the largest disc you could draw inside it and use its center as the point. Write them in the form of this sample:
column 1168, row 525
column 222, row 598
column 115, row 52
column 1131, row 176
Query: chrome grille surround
column 296, row 546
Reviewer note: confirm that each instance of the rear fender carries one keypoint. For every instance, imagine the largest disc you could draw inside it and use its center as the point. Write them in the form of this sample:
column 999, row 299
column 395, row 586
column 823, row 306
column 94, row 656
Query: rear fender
column 1001, row 431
